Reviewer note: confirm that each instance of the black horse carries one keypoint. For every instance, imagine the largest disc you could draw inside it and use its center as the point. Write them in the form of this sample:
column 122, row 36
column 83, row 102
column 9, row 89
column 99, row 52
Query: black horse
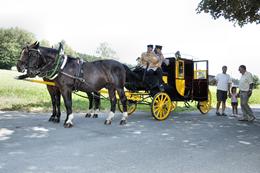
column 54, row 92
column 70, row 74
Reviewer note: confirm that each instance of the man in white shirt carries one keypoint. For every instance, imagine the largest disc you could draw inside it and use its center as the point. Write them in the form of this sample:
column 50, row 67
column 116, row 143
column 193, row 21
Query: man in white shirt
column 245, row 91
column 223, row 88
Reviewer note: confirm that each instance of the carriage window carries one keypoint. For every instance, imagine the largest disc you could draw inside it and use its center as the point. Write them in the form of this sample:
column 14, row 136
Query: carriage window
column 180, row 69
column 200, row 70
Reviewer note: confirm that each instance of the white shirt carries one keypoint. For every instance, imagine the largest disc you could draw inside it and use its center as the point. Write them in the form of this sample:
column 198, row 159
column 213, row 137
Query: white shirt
column 234, row 97
column 245, row 80
column 222, row 81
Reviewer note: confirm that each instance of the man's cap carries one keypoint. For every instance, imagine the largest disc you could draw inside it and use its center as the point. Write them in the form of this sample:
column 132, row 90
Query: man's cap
column 150, row 45
column 158, row 46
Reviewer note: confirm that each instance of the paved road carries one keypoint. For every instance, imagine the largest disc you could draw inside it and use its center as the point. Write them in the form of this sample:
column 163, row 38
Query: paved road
column 184, row 143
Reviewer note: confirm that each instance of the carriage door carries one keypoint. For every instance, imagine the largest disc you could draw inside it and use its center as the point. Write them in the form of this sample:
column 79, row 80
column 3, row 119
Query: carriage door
column 200, row 80
column 180, row 82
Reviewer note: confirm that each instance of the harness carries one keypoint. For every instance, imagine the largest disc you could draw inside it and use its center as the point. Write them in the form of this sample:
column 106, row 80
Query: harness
column 78, row 76
column 58, row 65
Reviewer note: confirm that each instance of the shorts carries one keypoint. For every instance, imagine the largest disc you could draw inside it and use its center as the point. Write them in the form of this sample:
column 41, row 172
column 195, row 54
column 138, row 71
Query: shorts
column 234, row 103
column 221, row 96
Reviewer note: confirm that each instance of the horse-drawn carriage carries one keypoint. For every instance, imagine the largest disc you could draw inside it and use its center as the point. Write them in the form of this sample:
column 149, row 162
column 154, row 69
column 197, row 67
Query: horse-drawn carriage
column 185, row 80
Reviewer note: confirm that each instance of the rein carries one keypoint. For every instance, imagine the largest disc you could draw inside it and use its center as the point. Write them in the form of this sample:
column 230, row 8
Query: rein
column 55, row 67
column 80, row 79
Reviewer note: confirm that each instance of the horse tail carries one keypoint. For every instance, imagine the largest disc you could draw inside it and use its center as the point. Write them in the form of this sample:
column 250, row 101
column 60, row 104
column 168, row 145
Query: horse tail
column 128, row 72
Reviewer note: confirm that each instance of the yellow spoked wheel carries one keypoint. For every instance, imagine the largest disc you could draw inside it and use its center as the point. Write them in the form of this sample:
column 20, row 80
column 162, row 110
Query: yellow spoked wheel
column 174, row 105
column 205, row 106
column 161, row 106
column 131, row 106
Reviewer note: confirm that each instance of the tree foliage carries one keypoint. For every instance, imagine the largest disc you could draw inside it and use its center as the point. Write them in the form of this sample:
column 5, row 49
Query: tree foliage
column 87, row 57
column 239, row 12
column 12, row 40
column 67, row 49
column 106, row 52
column 256, row 81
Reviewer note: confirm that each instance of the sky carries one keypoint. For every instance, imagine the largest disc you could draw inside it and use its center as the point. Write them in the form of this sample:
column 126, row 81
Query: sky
column 129, row 25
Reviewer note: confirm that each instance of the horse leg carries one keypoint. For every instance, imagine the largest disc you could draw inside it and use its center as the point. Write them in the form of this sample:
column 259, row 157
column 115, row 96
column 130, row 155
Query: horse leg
column 52, row 93
column 112, row 97
column 68, row 104
column 123, row 100
column 90, row 108
column 96, row 104
column 58, row 94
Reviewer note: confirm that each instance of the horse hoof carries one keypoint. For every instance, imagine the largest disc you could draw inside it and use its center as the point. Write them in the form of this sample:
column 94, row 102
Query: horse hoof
column 68, row 125
column 56, row 121
column 88, row 115
column 95, row 116
column 51, row 118
column 108, row 122
column 122, row 122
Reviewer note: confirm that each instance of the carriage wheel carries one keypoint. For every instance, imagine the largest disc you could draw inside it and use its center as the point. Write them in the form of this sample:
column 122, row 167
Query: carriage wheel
column 205, row 106
column 131, row 106
column 161, row 106
column 174, row 105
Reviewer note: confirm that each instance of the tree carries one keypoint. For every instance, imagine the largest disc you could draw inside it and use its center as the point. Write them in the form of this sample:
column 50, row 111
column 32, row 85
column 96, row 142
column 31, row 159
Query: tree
column 67, row 49
column 87, row 57
column 105, row 52
column 256, row 81
column 239, row 12
column 45, row 43
column 12, row 41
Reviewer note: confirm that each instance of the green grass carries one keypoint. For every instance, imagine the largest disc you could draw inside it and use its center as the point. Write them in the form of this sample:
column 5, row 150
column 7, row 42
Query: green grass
column 33, row 97
column 254, row 99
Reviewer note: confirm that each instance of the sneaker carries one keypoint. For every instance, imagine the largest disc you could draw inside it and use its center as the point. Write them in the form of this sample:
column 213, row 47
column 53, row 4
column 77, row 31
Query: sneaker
column 232, row 115
column 223, row 114
column 218, row 114
column 251, row 119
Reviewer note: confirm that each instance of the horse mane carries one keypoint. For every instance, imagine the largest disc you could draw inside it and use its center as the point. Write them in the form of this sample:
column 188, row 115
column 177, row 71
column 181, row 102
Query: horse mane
column 48, row 51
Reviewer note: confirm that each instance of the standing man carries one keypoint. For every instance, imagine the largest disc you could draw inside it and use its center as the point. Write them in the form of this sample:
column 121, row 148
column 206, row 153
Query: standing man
column 223, row 88
column 245, row 91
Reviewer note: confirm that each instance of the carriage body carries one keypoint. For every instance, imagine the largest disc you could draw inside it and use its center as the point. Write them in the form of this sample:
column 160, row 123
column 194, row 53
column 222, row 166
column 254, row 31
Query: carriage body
column 185, row 80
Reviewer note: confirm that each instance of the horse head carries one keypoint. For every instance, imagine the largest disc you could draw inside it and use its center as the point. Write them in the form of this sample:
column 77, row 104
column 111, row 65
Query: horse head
column 22, row 63
column 34, row 59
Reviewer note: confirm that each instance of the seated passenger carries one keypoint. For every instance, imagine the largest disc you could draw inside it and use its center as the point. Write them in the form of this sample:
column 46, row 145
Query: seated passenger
column 143, row 61
column 152, row 64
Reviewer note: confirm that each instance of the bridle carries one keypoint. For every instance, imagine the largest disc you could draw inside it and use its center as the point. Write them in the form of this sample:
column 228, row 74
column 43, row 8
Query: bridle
column 31, row 52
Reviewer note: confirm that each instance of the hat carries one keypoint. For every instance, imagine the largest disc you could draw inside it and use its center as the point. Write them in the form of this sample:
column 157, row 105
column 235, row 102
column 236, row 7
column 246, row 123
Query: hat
column 150, row 45
column 158, row 46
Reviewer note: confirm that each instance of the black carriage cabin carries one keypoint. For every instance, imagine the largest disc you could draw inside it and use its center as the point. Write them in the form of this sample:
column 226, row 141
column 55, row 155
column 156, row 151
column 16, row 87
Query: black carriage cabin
column 186, row 79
